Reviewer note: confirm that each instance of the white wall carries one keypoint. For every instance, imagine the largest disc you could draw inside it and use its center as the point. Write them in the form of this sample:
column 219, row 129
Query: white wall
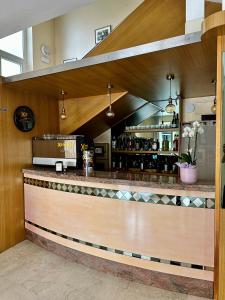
column 43, row 33
column 200, row 105
column 75, row 32
column 206, row 144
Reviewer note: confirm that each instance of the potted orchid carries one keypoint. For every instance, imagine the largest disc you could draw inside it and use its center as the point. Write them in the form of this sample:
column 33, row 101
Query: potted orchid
column 188, row 161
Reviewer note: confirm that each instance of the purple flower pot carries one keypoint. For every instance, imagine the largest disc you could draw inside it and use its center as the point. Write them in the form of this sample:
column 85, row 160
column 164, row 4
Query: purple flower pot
column 188, row 175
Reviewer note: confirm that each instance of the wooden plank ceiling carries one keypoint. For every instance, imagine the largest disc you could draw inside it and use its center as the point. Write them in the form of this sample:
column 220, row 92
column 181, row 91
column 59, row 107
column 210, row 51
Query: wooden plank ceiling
column 194, row 66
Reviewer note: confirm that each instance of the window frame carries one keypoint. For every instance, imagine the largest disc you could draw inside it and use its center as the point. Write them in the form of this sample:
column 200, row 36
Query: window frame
column 13, row 58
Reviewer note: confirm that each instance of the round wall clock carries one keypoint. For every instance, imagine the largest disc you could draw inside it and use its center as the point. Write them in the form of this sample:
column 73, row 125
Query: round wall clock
column 24, row 118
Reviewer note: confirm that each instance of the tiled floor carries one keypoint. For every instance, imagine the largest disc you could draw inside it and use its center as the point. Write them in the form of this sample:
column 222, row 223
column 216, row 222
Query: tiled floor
column 29, row 272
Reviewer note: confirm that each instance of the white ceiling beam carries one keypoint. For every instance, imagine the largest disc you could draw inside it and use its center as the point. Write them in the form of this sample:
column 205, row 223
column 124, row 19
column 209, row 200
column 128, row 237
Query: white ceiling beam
column 195, row 13
column 223, row 4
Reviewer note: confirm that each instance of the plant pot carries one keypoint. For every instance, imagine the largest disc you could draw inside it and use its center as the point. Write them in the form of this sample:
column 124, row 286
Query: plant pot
column 188, row 175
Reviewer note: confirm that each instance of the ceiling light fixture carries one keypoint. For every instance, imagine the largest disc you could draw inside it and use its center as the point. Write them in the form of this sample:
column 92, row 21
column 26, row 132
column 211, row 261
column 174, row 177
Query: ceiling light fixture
column 213, row 107
column 110, row 113
column 162, row 121
column 63, row 115
column 170, row 108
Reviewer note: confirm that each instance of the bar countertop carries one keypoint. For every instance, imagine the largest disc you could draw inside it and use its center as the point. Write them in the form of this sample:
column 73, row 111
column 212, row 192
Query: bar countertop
column 119, row 178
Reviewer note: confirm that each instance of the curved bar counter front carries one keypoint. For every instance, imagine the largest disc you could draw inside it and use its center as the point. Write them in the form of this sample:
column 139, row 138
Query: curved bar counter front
column 144, row 227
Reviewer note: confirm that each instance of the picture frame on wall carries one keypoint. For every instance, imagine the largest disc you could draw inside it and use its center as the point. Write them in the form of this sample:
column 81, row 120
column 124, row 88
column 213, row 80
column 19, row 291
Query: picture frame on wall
column 102, row 33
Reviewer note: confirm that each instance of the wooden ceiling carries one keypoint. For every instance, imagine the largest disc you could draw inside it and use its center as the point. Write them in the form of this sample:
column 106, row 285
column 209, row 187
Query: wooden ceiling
column 81, row 110
column 139, row 70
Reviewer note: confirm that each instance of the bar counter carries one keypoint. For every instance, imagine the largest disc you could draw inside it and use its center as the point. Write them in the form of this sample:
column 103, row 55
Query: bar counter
column 126, row 178
column 138, row 221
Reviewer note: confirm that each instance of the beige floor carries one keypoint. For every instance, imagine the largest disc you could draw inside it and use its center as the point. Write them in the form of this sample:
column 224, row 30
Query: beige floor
column 29, row 272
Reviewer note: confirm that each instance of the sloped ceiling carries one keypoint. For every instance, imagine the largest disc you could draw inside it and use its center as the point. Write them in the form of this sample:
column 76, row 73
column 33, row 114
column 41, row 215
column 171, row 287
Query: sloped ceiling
column 16, row 15
column 153, row 20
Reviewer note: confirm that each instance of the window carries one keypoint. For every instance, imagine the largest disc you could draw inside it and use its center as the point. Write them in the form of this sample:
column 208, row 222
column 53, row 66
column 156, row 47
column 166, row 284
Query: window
column 12, row 54
column 9, row 68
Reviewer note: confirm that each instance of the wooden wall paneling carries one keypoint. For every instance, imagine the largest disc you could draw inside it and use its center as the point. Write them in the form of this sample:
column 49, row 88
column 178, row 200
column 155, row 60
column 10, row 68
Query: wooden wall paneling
column 80, row 110
column 144, row 25
column 16, row 153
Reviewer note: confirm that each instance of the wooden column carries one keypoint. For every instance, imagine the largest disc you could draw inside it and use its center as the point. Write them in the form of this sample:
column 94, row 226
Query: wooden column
column 219, row 285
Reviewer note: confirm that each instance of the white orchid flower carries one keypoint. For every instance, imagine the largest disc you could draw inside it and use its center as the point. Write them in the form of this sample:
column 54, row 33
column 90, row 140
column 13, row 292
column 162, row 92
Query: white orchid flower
column 196, row 124
column 200, row 130
column 191, row 134
column 187, row 129
column 185, row 134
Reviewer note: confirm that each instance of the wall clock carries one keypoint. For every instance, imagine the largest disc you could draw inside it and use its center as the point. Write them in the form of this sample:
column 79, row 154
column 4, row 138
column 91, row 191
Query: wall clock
column 24, row 118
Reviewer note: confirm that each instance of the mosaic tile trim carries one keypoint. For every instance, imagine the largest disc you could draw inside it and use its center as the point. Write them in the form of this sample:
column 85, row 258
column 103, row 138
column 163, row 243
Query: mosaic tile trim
column 124, row 195
column 122, row 252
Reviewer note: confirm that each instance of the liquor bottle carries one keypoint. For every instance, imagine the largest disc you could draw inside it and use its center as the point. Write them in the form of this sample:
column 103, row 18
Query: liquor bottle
column 158, row 145
column 137, row 144
column 154, row 146
column 142, row 164
column 166, row 166
column 128, row 146
column 114, row 143
column 120, row 163
column 175, row 143
column 174, row 120
column 146, row 145
column 113, row 163
column 165, row 144
column 177, row 121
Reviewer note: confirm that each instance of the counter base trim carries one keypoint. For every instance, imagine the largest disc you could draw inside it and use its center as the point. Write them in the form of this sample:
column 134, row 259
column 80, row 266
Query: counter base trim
column 175, row 283
column 124, row 195
column 122, row 252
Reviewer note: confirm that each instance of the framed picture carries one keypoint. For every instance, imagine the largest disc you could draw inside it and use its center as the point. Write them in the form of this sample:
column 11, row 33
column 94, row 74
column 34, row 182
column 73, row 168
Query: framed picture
column 102, row 33
column 24, row 118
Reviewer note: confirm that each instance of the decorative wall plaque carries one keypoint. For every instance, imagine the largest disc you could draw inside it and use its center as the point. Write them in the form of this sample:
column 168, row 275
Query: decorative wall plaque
column 24, row 118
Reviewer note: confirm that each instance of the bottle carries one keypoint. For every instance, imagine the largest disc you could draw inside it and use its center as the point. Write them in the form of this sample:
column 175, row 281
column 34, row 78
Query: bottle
column 177, row 121
column 166, row 167
column 113, row 163
column 146, row 145
column 114, row 143
column 128, row 143
column 120, row 163
column 137, row 144
column 174, row 120
column 175, row 143
column 142, row 164
column 165, row 144
column 154, row 146
column 158, row 146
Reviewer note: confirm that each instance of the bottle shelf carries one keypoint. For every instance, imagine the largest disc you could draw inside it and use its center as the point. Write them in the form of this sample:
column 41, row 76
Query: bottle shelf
column 177, row 129
column 146, row 152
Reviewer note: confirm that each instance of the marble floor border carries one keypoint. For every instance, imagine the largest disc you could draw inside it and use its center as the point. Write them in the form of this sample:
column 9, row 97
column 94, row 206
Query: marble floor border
column 191, row 286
